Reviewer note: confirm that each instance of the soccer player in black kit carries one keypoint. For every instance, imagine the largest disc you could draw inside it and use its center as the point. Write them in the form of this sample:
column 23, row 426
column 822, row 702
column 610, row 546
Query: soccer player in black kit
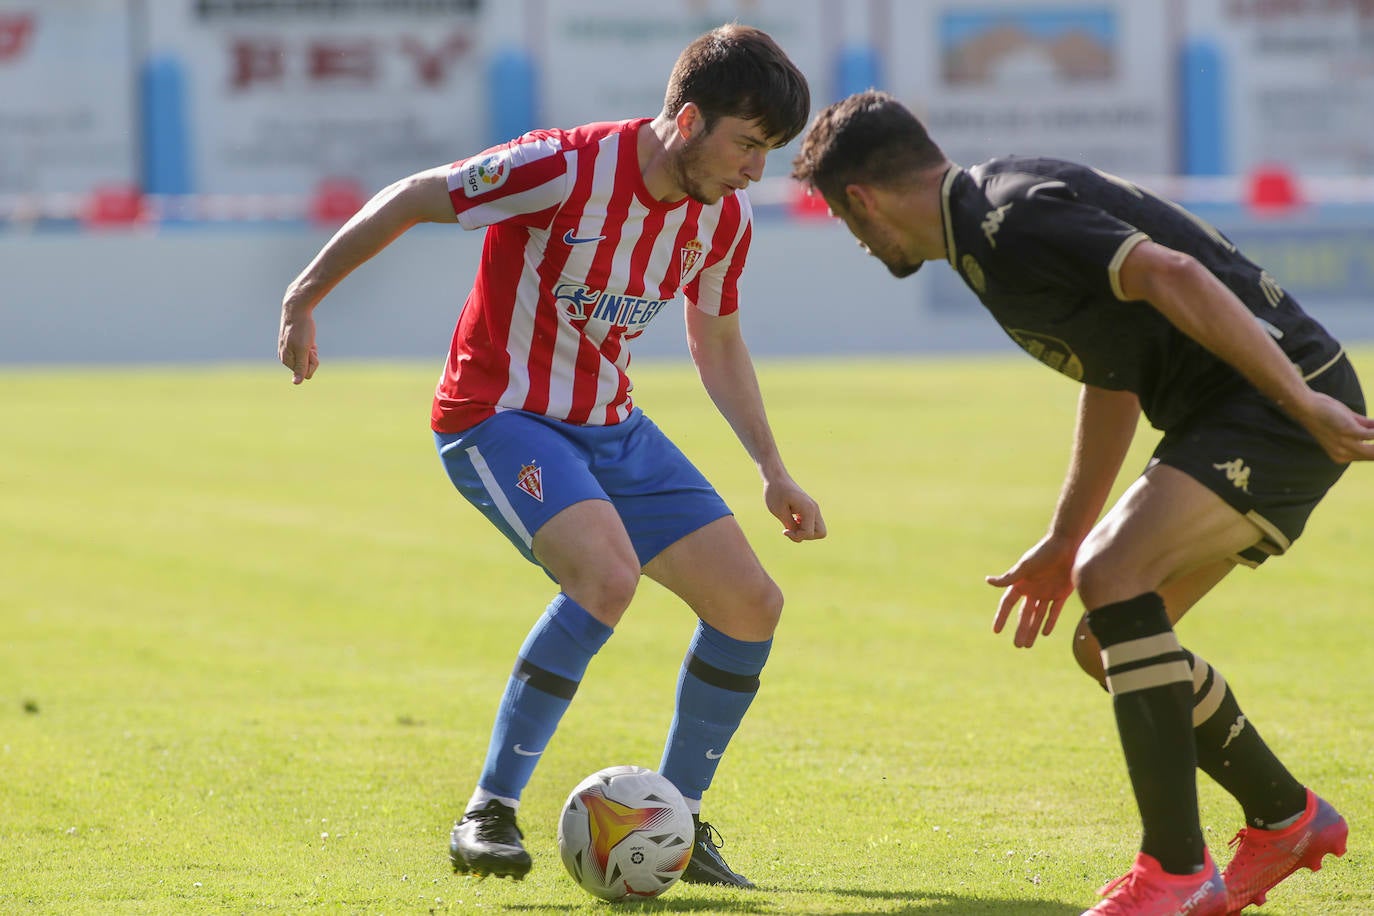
column 1152, row 310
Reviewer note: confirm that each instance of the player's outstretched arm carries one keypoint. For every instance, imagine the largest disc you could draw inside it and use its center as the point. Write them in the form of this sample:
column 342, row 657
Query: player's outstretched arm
column 1042, row 580
column 727, row 374
column 422, row 197
column 1201, row 306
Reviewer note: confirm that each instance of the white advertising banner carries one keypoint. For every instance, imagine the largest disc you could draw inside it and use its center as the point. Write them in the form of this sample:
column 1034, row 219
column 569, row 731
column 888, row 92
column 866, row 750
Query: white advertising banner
column 282, row 93
column 67, row 87
column 1298, row 82
column 605, row 60
column 1088, row 80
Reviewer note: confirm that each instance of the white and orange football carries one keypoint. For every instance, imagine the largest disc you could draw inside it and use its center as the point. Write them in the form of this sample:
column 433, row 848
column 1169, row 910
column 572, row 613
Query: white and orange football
column 625, row 832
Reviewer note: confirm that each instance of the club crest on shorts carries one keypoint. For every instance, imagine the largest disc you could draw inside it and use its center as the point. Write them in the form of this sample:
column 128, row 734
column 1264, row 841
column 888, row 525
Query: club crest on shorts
column 531, row 480
column 691, row 254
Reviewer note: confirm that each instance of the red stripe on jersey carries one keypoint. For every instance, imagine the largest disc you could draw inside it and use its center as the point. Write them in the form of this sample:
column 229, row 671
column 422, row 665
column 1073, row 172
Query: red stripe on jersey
column 617, row 209
column 480, row 349
column 643, row 250
column 587, row 365
column 539, row 365
column 525, row 178
column 639, row 262
column 529, row 162
column 729, row 298
column 578, row 260
column 672, row 280
column 723, row 244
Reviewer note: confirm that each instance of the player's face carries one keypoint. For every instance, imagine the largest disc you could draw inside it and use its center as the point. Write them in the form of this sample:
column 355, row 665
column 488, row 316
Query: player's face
column 726, row 158
column 879, row 239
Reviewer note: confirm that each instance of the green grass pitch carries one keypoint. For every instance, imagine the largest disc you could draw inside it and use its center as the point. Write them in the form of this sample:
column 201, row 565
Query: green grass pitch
column 251, row 642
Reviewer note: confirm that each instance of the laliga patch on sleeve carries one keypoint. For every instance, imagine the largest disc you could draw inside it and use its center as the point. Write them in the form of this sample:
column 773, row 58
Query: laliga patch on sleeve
column 485, row 174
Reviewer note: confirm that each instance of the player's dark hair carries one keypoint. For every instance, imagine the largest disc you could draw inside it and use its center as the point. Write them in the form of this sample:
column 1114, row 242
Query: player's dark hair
column 738, row 71
column 868, row 138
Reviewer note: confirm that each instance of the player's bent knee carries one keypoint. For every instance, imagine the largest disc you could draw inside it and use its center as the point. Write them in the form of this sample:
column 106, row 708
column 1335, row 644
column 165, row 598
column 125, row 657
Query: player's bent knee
column 605, row 592
column 1101, row 580
column 770, row 603
column 749, row 611
column 1087, row 653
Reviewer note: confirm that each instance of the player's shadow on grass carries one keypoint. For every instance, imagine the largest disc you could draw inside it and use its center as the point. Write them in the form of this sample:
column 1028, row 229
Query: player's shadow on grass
column 663, row 905
column 775, row 902
column 934, row 904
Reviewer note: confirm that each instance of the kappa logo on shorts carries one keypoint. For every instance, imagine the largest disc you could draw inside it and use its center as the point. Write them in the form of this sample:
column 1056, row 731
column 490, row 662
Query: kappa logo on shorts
column 531, row 480
column 1237, row 472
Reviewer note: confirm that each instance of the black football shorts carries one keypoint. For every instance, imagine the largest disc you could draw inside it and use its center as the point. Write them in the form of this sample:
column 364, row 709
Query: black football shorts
column 1263, row 464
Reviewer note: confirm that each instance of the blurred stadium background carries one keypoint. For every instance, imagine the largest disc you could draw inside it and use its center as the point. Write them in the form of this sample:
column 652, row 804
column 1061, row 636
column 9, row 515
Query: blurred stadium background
column 167, row 166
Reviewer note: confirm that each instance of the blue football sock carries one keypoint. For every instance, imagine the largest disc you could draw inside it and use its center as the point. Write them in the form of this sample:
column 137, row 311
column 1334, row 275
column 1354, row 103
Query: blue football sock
column 547, row 673
column 718, row 681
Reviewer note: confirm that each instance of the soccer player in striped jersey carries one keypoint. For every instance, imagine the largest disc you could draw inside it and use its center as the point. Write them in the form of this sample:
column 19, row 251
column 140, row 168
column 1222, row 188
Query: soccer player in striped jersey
column 1153, row 311
column 590, row 234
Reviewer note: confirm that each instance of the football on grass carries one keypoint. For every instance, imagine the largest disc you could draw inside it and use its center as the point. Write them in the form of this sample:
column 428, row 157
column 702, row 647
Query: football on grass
column 625, row 832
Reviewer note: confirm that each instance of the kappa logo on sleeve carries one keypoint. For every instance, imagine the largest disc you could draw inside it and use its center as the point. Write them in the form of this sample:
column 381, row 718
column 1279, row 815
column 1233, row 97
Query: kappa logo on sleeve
column 992, row 222
column 485, row 174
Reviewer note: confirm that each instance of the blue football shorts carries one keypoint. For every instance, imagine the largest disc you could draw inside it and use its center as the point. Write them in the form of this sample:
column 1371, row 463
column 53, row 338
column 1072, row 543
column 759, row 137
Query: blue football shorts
column 521, row 469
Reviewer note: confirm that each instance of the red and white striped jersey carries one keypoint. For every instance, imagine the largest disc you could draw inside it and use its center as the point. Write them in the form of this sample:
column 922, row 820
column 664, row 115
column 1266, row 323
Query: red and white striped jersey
column 578, row 259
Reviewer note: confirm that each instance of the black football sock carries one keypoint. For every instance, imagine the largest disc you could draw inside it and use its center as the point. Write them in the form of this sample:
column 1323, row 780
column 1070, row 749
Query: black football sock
column 1151, row 684
column 1231, row 751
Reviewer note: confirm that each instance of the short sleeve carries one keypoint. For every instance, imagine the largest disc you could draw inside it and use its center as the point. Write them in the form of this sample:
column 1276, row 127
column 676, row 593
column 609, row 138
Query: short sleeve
column 523, row 181
column 1050, row 235
column 715, row 288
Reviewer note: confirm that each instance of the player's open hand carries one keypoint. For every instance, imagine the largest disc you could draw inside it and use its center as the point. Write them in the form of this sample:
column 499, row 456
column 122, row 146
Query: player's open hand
column 296, row 345
column 1040, row 583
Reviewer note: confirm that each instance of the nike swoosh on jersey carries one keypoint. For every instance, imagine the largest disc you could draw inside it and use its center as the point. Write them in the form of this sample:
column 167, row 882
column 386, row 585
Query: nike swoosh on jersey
column 570, row 239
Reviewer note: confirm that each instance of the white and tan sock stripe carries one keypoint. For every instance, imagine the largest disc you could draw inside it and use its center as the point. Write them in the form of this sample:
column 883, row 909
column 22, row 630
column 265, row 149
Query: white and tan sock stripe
column 1144, row 663
column 1209, row 689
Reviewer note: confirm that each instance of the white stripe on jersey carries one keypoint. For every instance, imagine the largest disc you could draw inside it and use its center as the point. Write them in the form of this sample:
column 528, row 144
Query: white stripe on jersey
column 548, row 325
column 509, row 158
column 527, row 294
column 535, row 199
column 592, row 222
column 711, row 288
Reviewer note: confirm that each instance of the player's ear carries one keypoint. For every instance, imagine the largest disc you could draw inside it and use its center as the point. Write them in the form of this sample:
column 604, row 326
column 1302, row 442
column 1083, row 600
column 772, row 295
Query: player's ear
column 858, row 198
column 689, row 120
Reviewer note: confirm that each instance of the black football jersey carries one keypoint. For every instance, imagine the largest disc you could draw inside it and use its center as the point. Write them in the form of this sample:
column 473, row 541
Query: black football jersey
column 1041, row 243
